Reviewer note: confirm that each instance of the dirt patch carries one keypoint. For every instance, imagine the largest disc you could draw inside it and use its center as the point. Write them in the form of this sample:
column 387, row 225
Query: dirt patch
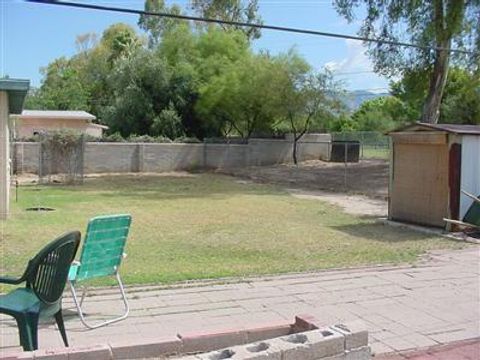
column 352, row 204
column 360, row 188
column 368, row 177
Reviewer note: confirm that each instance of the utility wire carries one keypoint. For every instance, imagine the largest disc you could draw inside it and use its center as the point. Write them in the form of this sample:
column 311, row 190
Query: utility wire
column 248, row 25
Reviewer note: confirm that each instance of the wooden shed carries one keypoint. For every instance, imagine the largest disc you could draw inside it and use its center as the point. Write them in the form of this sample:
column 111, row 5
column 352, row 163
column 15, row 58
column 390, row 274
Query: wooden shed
column 429, row 165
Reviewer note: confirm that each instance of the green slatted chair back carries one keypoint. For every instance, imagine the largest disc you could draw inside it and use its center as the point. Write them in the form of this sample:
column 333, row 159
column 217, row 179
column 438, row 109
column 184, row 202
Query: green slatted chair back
column 473, row 214
column 47, row 272
column 104, row 245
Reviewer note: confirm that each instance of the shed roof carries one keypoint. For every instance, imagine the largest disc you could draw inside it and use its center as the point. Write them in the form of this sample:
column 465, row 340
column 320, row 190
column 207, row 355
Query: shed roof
column 16, row 90
column 450, row 128
column 57, row 114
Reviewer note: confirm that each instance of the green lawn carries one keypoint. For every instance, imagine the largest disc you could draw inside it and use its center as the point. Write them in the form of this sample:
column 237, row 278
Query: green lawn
column 208, row 226
column 372, row 152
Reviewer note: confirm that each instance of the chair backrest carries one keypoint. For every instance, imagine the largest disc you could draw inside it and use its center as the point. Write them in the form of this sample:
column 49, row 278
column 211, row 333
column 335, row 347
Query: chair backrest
column 47, row 272
column 103, row 246
column 472, row 216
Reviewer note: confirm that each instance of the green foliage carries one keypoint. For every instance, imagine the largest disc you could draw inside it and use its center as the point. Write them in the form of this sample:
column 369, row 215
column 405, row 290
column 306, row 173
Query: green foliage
column 148, row 139
column 438, row 23
column 115, row 137
column 461, row 99
column 417, row 22
column 168, row 123
column 156, row 26
column 244, row 98
column 141, row 89
column 380, row 114
column 231, row 10
column 62, row 88
column 309, row 99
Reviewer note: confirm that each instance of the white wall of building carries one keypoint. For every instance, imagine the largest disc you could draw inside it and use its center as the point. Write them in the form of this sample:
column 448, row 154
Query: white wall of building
column 470, row 176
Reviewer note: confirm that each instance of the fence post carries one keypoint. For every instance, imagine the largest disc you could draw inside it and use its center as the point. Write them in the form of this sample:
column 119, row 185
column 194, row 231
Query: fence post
column 345, row 160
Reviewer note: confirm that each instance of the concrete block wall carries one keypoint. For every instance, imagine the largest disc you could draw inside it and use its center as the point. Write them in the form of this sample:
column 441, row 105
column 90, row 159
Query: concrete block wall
column 168, row 157
column 302, row 340
column 225, row 156
column 148, row 157
column 26, row 157
column 346, row 342
column 110, row 157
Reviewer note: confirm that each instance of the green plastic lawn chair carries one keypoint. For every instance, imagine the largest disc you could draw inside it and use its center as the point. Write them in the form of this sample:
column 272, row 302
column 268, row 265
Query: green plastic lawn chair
column 45, row 278
column 471, row 220
column 102, row 254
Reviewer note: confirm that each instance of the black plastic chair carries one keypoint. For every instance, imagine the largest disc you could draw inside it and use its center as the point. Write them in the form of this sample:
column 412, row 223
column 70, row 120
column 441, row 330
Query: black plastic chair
column 45, row 277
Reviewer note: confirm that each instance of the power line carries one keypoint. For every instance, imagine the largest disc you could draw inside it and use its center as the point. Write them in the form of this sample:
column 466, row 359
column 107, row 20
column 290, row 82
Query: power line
column 248, row 25
column 353, row 72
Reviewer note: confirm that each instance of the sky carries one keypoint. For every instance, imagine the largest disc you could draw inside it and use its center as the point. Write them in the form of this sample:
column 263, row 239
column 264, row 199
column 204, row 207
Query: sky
column 32, row 35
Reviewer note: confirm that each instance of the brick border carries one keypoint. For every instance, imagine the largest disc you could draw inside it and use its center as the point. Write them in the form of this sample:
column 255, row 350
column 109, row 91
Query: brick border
column 353, row 336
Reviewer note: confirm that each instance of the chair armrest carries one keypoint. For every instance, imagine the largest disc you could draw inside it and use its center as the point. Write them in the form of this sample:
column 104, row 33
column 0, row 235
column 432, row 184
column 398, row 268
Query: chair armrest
column 10, row 280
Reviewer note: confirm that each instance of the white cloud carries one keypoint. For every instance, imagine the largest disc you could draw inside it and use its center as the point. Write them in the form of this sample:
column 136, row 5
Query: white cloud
column 356, row 59
column 358, row 63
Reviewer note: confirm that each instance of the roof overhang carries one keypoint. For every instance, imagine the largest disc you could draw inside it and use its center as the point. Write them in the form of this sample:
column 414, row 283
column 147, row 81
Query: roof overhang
column 446, row 128
column 56, row 114
column 16, row 90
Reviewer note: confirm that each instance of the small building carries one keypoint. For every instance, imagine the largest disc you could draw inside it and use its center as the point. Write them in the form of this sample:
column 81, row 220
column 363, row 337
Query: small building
column 35, row 122
column 430, row 165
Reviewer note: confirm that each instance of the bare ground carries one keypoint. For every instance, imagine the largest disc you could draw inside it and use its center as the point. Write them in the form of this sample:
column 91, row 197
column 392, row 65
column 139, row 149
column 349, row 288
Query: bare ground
column 360, row 188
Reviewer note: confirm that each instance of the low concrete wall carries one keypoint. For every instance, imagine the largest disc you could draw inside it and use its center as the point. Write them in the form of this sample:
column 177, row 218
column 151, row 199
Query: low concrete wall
column 305, row 339
column 149, row 157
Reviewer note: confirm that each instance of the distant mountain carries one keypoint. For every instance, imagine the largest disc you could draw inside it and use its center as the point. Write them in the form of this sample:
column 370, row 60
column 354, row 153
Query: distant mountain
column 353, row 99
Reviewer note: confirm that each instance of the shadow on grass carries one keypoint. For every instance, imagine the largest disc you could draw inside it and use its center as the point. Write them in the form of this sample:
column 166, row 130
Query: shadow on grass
column 383, row 233
column 205, row 185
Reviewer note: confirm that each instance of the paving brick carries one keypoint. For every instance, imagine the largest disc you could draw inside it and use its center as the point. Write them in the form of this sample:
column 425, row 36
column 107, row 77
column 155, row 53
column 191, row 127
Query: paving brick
column 437, row 301
column 52, row 354
column 15, row 354
column 146, row 348
column 255, row 351
column 267, row 332
column 209, row 341
column 325, row 342
column 96, row 352
column 361, row 353
column 355, row 333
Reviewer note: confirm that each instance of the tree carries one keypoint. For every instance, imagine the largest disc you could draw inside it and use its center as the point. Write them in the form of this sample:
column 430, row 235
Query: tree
column 141, row 90
column 194, row 59
column 460, row 102
column 61, row 89
column 438, row 23
column 168, row 123
column 243, row 99
column 307, row 97
column 381, row 114
column 157, row 26
column 231, row 10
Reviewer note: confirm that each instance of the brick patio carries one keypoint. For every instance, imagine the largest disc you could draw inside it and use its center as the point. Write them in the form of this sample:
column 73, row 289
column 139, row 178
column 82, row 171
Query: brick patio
column 433, row 303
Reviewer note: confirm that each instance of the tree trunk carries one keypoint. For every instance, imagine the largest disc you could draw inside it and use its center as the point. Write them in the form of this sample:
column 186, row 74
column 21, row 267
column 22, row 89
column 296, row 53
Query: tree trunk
column 438, row 80
column 295, row 141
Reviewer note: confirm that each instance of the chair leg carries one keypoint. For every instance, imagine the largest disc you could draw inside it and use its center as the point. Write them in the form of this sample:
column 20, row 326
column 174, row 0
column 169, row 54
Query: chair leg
column 27, row 330
column 78, row 304
column 61, row 326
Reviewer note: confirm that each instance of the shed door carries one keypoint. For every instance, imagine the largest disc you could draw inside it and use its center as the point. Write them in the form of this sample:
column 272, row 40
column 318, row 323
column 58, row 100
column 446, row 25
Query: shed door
column 419, row 192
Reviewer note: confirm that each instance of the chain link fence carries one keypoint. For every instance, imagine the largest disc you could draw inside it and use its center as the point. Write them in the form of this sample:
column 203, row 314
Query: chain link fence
column 373, row 144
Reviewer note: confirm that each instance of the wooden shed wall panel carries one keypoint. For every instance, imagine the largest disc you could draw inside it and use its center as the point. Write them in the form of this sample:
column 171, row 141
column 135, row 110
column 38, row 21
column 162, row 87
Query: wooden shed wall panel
column 470, row 178
column 420, row 184
column 424, row 137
